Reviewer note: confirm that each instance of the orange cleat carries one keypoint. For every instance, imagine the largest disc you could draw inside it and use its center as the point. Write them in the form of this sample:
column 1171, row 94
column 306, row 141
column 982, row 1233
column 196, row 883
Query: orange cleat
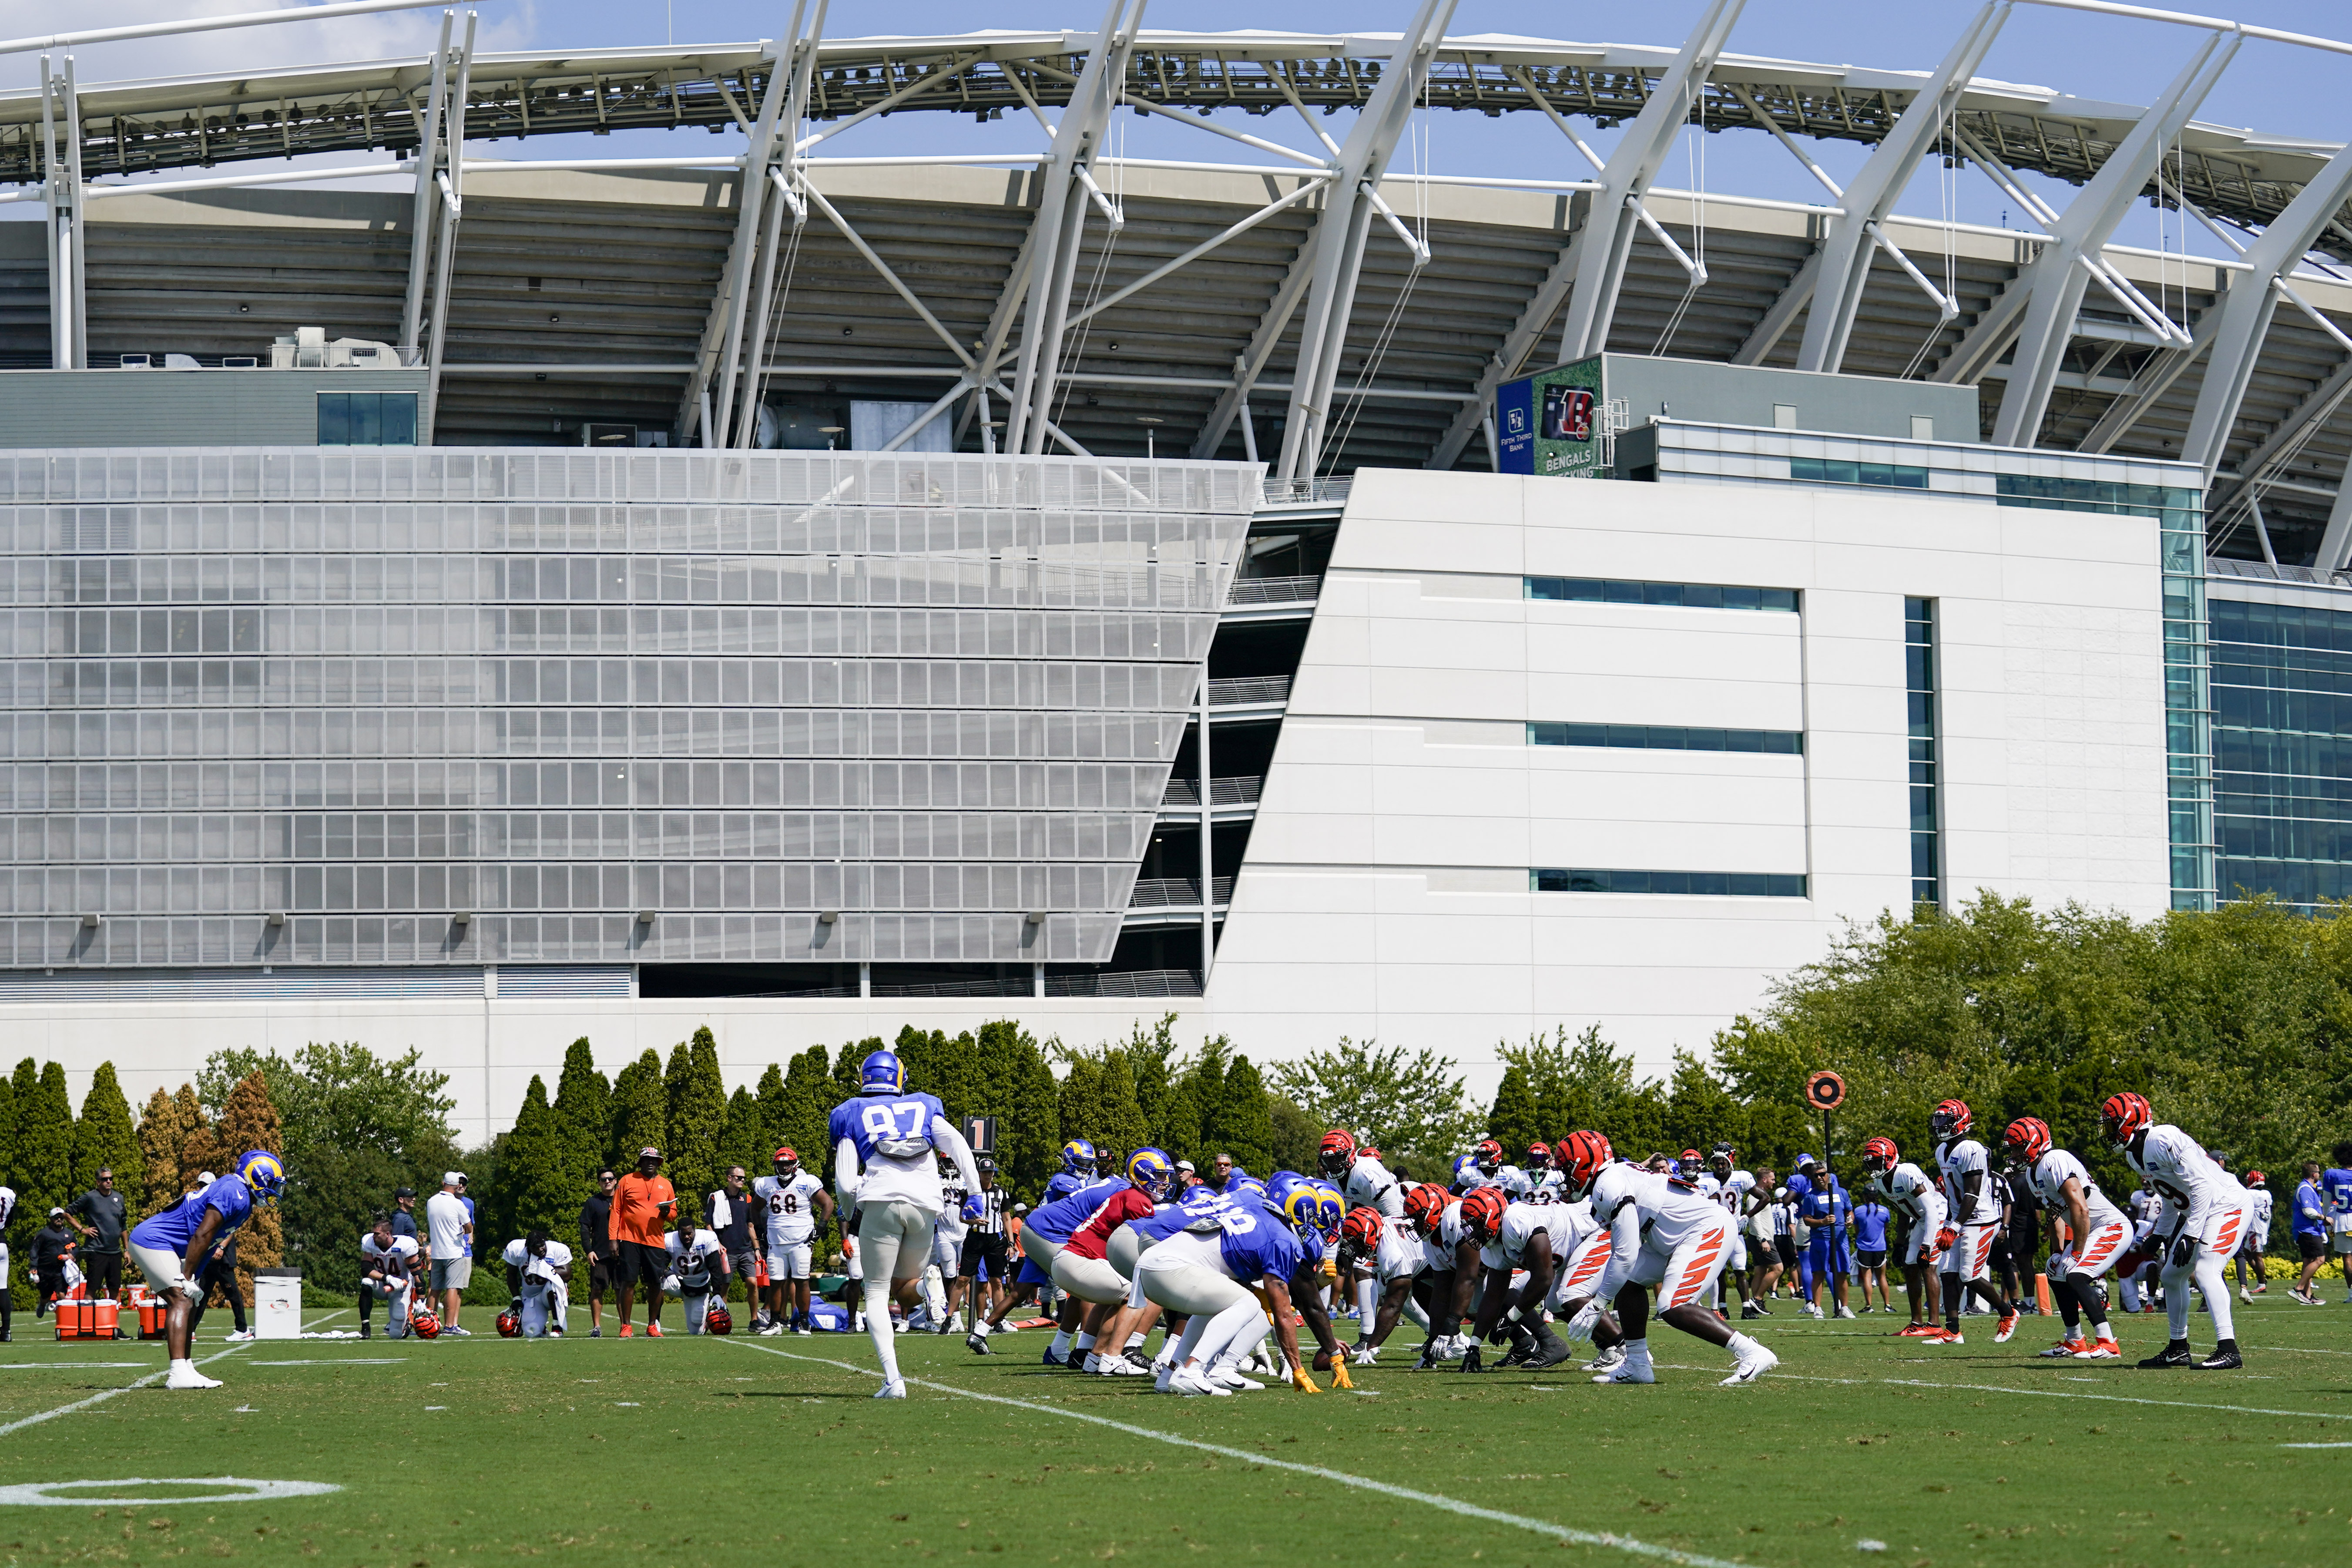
column 2006, row 1327
column 2105, row 1349
column 653, row 1330
column 626, row 1330
column 1918, row 1331
column 1948, row 1337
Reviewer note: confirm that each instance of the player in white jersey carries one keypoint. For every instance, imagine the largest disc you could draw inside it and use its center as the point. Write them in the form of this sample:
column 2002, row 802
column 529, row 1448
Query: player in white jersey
column 792, row 1205
column 2205, row 1213
column 1919, row 1210
column 1662, row 1233
column 2096, row 1234
column 2257, row 1238
column 698, row 1273
column 1972, row 1196
column 1732, row 1186
column 539, row 1273
column 1364, row 1183
column 388, row 1272
column 1450, row 1268
column 1393, row 1251
column 1540, row 1240
column 947, row 1255
column 1542, row 1168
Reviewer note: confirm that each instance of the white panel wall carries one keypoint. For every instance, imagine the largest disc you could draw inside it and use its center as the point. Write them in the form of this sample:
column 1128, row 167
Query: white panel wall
column 1385, row 891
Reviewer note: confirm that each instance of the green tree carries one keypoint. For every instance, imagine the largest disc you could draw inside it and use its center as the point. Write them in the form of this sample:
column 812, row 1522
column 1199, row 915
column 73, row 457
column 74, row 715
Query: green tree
column 640, row 1111
column 1587, row 1084
column 1411, row 1104
column 1700, row 1112
column 1244, row 1126
column 1078, row 1100
column 696, row 1095
column 1297, row 1139
column 1516, row 1119
column 535, row 1177
column 45, row 1143
column 584, row 1115
column 740, row 1143
column 797, row 1117
column 107, row 1139
column 247, row 1121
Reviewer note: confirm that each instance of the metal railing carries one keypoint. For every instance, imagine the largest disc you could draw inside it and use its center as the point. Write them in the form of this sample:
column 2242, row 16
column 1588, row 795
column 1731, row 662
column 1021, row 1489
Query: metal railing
column 1274, row 590
column 1013, row 985
column 1307, row 493
column 1243, row 789
column 1241, row 690
column 1127, row 982
column 1164, row 892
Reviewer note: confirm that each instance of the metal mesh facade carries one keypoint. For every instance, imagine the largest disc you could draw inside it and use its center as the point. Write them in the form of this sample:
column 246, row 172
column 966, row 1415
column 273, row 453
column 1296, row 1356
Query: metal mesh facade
column 371, row 691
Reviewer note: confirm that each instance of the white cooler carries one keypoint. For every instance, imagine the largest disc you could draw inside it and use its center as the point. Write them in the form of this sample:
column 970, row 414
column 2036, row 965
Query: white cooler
column 277, row 1304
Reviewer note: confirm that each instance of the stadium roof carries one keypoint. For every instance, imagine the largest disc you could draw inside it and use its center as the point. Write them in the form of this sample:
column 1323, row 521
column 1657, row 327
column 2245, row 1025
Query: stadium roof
column 609, row 289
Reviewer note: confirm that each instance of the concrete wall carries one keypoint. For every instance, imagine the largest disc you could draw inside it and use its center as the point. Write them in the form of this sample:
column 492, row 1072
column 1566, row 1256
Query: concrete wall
column 178, row 407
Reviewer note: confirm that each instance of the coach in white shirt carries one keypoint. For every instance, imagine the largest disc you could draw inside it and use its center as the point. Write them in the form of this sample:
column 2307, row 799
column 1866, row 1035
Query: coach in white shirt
column 452, row 1236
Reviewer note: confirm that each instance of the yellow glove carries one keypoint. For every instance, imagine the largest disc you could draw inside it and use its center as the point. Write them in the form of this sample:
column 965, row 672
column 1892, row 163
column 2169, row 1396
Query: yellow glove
column 1339, row 1378
column 1301, row 1382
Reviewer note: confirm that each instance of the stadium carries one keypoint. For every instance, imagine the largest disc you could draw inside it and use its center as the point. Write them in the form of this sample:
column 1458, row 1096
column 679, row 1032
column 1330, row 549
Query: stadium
column 1076, row 534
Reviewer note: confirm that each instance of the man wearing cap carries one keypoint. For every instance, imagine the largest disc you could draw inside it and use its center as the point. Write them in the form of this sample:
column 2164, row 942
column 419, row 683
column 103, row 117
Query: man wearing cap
column 643, row 1202
column 985, row 1248
column 452, row 1237
column 53, row 1244
column 596, row 1246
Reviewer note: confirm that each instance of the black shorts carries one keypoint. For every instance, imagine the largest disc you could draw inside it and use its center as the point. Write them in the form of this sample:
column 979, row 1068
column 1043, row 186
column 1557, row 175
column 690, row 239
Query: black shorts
column 600, row 1275
column 2310, row 1246
column 1786, row 1245
column 641, row 1265
column 1873, row 1257
column 979, row 1247
column 104, row 1272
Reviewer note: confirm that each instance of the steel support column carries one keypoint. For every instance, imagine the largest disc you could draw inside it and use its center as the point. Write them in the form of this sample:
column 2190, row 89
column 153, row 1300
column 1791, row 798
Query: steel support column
column 1869, row 198
column 1337, row 250
column 421, row 219
column 1061, row 219
column 2055, row 279
column 452, row 183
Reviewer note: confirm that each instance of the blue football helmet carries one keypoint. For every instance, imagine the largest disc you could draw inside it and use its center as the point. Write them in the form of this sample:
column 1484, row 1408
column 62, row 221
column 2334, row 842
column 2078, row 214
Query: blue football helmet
column 1150, row 1170
column 1467, row 1173
column 1242, row 1184
column 264, row 1177
column 1078, row 1157
column 882, row 1073
column 1331, row 1210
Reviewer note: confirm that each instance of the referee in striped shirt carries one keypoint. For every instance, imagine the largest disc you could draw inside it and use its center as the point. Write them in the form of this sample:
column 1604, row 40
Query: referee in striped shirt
column 985, row 1241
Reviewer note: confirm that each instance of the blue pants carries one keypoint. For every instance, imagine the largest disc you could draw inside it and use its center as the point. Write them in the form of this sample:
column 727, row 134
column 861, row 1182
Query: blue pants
column 1824, row 1257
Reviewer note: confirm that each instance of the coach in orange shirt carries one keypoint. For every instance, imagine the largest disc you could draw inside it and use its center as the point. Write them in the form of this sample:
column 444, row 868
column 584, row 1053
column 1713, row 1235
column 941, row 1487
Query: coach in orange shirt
column 642, row 1202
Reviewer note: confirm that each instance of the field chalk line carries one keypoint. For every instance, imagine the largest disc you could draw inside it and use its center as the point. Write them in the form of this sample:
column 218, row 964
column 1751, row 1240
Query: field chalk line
column 104, row 1395
column 2045, row 1394
column 1361, row 1483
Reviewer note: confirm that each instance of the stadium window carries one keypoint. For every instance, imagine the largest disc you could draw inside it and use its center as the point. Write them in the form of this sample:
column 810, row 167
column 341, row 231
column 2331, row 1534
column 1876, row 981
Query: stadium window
column 367, row 419
column 1683, row 596
column 1839, row 471
column 1665, row 738
column 1919, row 682
column 1692, row 884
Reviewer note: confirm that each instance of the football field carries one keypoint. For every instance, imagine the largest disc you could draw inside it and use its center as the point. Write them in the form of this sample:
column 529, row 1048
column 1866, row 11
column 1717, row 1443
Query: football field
column 1862, row 1446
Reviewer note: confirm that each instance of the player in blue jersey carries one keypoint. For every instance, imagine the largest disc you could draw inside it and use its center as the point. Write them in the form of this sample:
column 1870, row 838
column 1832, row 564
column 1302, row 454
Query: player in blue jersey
column 1043, row 1234
column 1315, row 1210
column 1203, row 1258
column 171, row 1247
column 886, row 1143
column 2335, row 1191
column 1077, row 1171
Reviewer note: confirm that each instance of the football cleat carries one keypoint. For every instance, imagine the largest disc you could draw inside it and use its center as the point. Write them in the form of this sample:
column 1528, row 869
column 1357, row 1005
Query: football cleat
column 1845, row 1312
column 2006, row 1327
column 1608, row 1359
column 894, row 1390
column 1918, row 1331
column 2105, row 1349
column 2174, row 1354
column 1946, row 1337
column 2224, row 1358
column 1048, row 1358
column 1230, row 1377
column 653, row 1330
column 1186, row 1380
column 189, row 1377
column 2067, row 1348
column 1628, row 1372
column 1751, row 1366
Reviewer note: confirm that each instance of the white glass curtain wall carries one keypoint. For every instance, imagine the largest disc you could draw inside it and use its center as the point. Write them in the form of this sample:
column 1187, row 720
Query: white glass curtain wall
column 368, row 693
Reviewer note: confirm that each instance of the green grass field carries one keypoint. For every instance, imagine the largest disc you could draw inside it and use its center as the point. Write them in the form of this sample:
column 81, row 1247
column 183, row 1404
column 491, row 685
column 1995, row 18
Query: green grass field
column 702, row 1450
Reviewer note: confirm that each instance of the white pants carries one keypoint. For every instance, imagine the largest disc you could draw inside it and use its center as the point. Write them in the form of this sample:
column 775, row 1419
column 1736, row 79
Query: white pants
column 947, row 1252
column 1683, row 1273
column 542, row 1304
column 1969, row 1254
column 1126, row 1245
column 1183, row 1275
column 395, row 1299
column 787, row 1260
column 165, row 1270
column 1582, row 1270
column 1089, row 1278
column 894, row 1241
column 2215, row 1244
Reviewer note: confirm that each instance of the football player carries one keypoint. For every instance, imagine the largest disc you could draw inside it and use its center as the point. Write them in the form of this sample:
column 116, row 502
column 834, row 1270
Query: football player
column 2204, row 1214
column 1077, row 1171
column 170, row 1245
column 1663, row 1236
column 1543, row 1172
column 1732, row 1188
column 1972, row 1198
column 1450, row 1271
column 1043, row 1234
column 2257, row 1238
column 388, row 1268
column 1540, row 1239
column 539, row 1275
column 697, row 1271
column 794, row 1209
column 2098, row 1233
column 946, row 1253
column 885, row 1142
column 1206, row 1256
column 1083, row 1270
column 1917, row 1205
column 1394, row 1258
column 1364, row 1181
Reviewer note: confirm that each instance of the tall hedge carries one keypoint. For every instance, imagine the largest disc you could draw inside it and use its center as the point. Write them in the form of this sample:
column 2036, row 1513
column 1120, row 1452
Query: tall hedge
column 107, row 1139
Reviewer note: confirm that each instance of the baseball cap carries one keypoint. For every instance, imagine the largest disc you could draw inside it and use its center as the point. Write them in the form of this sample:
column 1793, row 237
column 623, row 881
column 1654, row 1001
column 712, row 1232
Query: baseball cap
column 649, row 1152
column 451, row 1178
column 1805, row 1160
column 1184, row 1164
column 405, row 1193
column 54, row 1213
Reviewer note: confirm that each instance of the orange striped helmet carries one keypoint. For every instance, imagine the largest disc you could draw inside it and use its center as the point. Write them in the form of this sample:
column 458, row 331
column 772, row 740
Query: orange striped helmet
column 1950, row 1118
column 1425, row 1207
column 1582, row 1157
column 2030, row 1136
column 2125, row 1117
column 1482, row 1211
column 1880, row 1155
column 1362, row 1227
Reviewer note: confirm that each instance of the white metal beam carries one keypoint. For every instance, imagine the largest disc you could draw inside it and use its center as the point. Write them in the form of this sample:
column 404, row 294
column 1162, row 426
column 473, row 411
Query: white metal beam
column 2055, row 279
column 1061, row 219
column 421, row 219
column 2245, row 312
column 1869, row 198
column 451, row 180
column 1337, row 250
column 1597, row 253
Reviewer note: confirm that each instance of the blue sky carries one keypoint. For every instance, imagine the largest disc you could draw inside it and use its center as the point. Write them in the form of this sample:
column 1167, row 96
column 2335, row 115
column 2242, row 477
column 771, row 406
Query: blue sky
column 2278, row 89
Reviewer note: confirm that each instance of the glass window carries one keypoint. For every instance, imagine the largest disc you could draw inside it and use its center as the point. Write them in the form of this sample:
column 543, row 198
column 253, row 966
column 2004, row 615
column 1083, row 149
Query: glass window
column 1838, row 471
column 1694, row 884
column 367, row 419
column 1686, row 596
column 1919, row 665
column 1665, row 738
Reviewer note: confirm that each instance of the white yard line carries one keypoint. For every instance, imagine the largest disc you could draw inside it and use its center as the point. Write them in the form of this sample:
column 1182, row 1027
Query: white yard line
column 2041, row 1393
column 1361, row 1483
column 104, row 1395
